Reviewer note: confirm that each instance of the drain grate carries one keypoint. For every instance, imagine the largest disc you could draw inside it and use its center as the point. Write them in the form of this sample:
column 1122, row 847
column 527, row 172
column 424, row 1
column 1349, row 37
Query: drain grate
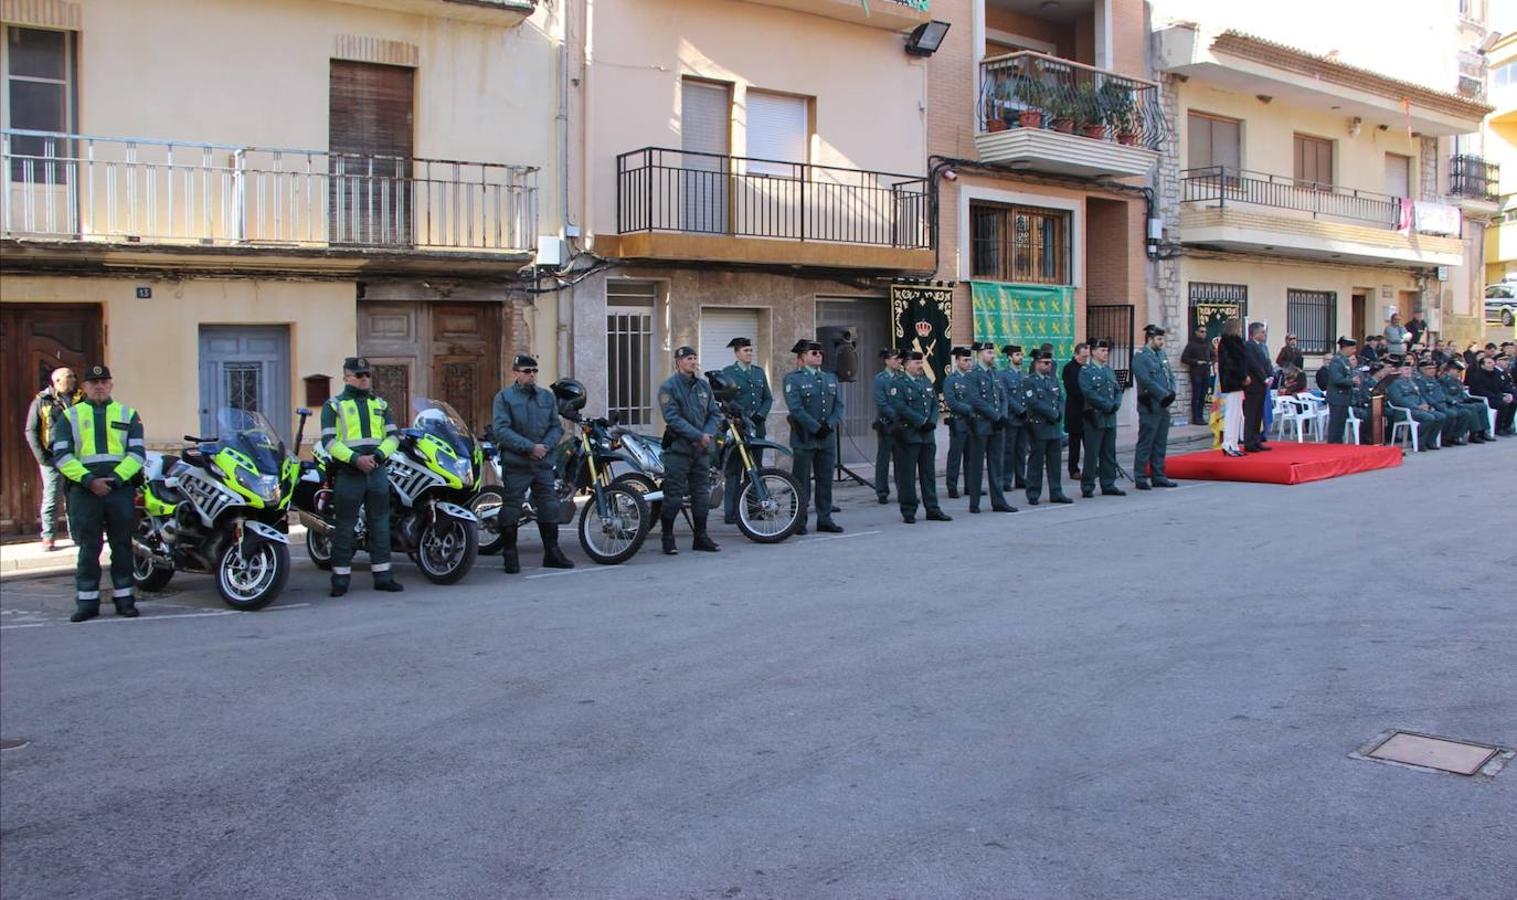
column 1427, row 752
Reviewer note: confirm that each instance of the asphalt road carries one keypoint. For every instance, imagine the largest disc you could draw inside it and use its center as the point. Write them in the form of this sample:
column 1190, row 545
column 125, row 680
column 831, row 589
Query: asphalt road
column 1151, row 696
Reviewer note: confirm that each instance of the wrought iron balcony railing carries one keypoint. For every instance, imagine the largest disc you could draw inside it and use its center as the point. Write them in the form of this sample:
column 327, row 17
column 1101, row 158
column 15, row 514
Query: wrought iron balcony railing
column 659, row 189
column 1473, row 177
column 1034, row 90
column 1222, row 185
column 79, row 187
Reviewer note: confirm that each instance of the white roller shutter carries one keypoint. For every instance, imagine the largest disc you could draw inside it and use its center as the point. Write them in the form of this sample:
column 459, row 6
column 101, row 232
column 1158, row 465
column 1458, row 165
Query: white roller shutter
column 720, row 324
column 705, row 118
column 778, row 129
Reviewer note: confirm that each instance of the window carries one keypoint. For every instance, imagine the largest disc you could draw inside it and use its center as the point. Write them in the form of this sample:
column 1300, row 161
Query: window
column 1019, row 243
column 629, row 350
column 1212, row 304
column 1314, row 162
column 1312, row 316
column 1213, row 141
column 1398, row 175
column 705, row 125
column 779, row 128
column 1505, row 74
column 39, row 96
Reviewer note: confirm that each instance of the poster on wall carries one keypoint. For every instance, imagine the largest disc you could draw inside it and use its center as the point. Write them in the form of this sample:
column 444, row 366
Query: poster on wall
column 1211, row 314
column 920, row 319
column 1027, row 314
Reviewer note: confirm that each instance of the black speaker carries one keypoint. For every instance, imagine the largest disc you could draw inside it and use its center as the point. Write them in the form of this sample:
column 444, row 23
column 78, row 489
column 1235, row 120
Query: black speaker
column 840, row 351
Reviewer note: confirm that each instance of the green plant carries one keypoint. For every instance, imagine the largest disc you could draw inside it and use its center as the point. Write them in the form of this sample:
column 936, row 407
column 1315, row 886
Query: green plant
column 1087, row 106
column 1118, row 104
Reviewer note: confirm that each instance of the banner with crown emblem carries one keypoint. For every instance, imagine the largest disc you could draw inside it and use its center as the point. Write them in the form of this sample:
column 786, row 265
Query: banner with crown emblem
column 921, row 318
column 1027, row 314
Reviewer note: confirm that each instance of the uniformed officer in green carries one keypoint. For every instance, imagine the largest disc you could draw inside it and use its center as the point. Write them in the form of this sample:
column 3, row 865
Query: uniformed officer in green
column 691, row 418
column 1362, row 395
column 1156, row 391
column 1340, row 382
column 359, row 434
column 1014, row 464
column 524, row 423
column 1455, row 423
column 816, row 409
column 988, row 443
column 886, row 426
column 755, row 400
column 959, row 418
column 97, row 445
column 1103, row 397
column 1402, row 392
column 1475, row 411
column 1045, row 410
column 914, row 406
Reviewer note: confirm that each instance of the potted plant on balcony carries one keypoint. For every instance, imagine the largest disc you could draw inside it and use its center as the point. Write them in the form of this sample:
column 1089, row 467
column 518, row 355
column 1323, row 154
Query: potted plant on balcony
column 1030, row 95
column 1063, row 106
column 1119, row 106
column 1089, row 116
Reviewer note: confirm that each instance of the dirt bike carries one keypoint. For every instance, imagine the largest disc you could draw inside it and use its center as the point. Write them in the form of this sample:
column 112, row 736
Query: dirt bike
column 615, row 518
column 769, row 498
column 219, row 508
column 434, row 475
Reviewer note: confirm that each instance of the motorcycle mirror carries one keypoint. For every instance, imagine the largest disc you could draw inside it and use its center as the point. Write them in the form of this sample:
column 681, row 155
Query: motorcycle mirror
column 302, row 412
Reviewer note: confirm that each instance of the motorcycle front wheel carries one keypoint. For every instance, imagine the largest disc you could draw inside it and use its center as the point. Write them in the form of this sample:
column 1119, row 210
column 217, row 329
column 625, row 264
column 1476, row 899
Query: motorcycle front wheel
column 253, row 581
column 490, row 498
column 618, row 536
column 446, row 549
column 146, row 574
column 319, row 549
column 644, row 485
column 776, row 518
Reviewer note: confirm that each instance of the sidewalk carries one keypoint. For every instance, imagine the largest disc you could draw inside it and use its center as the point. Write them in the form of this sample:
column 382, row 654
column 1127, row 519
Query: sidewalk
column 27, row 559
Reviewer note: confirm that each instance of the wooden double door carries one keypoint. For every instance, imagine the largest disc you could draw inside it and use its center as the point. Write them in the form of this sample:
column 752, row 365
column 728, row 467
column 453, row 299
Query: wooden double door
column 35, row 340
column 445, row 351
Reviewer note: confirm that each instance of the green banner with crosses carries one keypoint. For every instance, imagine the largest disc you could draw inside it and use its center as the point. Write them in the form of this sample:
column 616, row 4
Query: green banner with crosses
column 1027, row 314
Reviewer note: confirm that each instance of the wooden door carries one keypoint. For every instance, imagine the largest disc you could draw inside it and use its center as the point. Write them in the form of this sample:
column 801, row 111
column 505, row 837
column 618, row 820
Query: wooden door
column 1359, row 308
column 392, row 336
column 34, row 340
column 370, row 124
column 466, row 358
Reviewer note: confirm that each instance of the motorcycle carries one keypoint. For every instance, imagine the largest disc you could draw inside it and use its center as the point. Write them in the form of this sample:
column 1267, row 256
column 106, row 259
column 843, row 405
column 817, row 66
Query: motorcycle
column 218, row 508
column 434, row 476
column 615, row 518
column 769, row 498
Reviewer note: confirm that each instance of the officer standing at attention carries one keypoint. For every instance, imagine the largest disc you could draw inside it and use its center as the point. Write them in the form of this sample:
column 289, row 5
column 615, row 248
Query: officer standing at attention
column 97, row 445
column 816, row 408
column 1045, row 407
column 1102, row 398
column 914, row 406
column 524, row 423
column 885, row 422
column 960, row 417
column 691, row 418
column 1014, row 464
column 755, row 399
column 359, row 434
column 989, row 399
column 1156, row 391
column 1339, row 389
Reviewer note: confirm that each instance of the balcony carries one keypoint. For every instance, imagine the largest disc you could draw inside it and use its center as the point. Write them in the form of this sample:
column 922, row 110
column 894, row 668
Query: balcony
column 1474, row 183
column 210, row 199
column 1047, row 114
column 1234, row 209
column 502, row 13
column 890, row 15
column 675, row 205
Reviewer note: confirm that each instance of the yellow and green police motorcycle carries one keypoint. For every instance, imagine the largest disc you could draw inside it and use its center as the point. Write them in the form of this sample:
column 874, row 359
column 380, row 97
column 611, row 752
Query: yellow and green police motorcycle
column 219, row 509
column 434, row 476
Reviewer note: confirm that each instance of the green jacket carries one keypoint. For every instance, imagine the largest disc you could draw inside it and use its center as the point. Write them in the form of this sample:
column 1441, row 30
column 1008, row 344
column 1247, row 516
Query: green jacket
column 816, row 408
column 1103, row 395
column 914, row 404
column 1045, row 406
column 1340, row 381
column 753, row 395
column 1402, row 392
column 1155, row 381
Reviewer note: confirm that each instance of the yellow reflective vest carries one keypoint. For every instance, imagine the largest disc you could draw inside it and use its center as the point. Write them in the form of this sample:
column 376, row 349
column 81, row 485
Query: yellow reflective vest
column 99, row 439
column 355, row 424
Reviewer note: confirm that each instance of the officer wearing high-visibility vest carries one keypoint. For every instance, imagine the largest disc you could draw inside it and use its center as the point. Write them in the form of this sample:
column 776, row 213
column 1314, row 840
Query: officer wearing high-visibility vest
column 359, row 434
column 97, row 445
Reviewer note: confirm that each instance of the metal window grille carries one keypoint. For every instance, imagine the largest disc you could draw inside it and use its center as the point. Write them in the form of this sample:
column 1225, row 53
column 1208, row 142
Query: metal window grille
column 629, row 350
column 1211, row 304
column 1312, row 316
column 1114, row 322
column 243, row 385
column 1020, row 244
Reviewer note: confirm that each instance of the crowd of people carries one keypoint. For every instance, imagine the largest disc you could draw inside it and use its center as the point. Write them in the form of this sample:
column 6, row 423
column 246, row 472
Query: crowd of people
column 1448, row 394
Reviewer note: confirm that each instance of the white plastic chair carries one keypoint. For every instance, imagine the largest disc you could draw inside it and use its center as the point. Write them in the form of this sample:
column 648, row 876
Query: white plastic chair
column 1315, row 410
column 1351, row 428
column 1490, row 412
column 1288, row 412
column 1401, row 426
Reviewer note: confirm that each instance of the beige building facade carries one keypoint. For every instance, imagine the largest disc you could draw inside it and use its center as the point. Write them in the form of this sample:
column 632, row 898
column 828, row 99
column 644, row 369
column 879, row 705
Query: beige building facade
column 222, row 221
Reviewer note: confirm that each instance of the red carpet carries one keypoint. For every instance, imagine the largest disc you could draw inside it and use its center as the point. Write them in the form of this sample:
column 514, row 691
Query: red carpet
column 1287, row 463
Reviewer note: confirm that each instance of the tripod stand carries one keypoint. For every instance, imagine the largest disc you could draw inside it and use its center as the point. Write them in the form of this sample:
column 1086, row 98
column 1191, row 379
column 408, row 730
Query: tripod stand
column 842, row 472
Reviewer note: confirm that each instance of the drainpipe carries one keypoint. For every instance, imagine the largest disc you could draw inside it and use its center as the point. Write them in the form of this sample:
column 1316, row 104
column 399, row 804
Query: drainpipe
column 564, row 299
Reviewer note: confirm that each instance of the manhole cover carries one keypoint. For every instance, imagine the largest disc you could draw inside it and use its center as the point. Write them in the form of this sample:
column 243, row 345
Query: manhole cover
column 13, row 743
column 1459, row 757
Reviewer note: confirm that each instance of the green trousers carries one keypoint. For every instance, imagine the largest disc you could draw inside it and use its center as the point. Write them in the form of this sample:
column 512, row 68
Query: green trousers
column 92, row 520
column 352, row 490
column 1100, row 458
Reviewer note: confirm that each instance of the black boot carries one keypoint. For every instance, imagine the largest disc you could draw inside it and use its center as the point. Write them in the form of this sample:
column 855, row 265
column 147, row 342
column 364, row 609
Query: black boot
column 667, row 524
column 385, row 581
column 703, row 541
column 83, row 611
column 126, row 607
column 553, row 557
column 340, row 584
column 508, row 550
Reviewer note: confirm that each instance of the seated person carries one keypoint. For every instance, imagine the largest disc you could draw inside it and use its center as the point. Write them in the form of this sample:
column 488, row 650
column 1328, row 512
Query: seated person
column 1291, row 380
column 1473, row 408
column 1455, row 425
column 1486, row 381
column 1401, row 393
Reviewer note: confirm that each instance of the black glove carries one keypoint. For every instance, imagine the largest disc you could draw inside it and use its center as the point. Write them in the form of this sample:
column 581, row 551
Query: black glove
column 757, row 419
column 927, row 426
column 1168, row 399
column 824, row 430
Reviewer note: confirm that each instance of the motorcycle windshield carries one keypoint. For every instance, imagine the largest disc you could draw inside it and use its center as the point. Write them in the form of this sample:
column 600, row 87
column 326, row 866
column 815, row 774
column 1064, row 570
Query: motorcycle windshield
column 251, row 434
column 442, row 421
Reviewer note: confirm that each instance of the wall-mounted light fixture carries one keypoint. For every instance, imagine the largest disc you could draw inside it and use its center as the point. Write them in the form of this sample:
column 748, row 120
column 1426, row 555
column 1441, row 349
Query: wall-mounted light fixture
column 925, row 39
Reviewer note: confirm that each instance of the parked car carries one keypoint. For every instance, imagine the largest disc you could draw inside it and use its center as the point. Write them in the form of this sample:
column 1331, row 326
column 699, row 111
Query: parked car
column 1501, row 303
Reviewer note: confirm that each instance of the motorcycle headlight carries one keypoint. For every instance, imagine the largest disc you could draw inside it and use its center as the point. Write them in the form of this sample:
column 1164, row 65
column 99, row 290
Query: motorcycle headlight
column 461, row 468
column 264, row 487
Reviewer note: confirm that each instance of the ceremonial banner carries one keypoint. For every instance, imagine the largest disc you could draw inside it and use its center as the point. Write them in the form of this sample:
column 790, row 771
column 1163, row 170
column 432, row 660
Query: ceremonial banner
column 1026, row 314
column 1212, row 314
column 920, row 319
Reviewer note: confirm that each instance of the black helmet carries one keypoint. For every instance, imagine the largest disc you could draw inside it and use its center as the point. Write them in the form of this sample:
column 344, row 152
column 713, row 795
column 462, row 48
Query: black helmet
column 570, row 393
column 722, row 385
